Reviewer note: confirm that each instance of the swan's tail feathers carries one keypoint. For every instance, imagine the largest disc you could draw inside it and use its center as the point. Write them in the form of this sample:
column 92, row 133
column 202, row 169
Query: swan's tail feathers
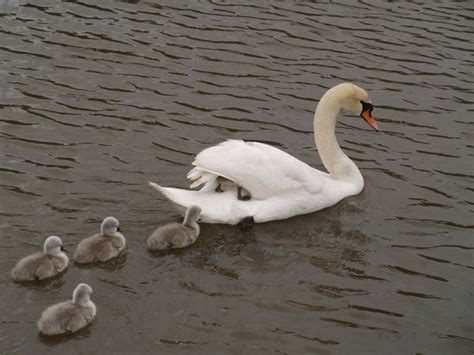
column 157, row 187
column 180, row 207
column 220, row 207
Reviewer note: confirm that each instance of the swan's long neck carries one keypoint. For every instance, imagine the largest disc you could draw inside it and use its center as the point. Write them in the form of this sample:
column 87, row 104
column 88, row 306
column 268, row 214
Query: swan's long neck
column 337, row 163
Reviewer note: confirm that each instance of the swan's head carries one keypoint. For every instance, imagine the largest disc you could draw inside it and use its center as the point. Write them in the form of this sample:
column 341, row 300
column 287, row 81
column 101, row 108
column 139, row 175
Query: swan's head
column 193, row 213
column 353, row 99
column 82, row 294
column 53, row 246
column 110, row 226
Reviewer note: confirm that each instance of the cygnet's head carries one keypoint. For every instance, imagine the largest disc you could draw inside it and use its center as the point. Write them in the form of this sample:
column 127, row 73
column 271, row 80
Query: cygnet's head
column 110, row 226
column 193, row 214
column 82, row 294
column 355, row 100
column 53, row 245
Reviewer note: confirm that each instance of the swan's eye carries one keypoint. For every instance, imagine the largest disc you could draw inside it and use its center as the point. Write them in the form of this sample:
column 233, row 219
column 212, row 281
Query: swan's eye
column 367, row 107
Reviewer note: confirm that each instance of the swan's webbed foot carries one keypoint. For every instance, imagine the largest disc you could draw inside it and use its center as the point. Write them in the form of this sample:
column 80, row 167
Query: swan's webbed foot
column 246, row 223
column 219, row 188
column 241, row 196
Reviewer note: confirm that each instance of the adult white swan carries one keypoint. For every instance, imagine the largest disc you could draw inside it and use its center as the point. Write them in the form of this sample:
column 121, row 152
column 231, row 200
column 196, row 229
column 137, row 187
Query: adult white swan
column 280, row 185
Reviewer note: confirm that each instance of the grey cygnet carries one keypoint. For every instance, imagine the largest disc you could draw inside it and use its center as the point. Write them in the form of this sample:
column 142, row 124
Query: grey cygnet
column 39, row 266
column 101, row 247
column 177, row 235
column 224, row 184
column 69, row 316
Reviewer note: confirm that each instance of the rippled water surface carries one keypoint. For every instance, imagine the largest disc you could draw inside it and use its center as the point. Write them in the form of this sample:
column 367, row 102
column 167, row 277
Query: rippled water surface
column 98, row 97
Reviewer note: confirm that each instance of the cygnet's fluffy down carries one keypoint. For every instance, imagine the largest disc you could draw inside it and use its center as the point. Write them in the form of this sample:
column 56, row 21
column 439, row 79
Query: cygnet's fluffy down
column 69, row 316
column 39, row 266
column 101, row 247
column 177, row 235
column 224, row 184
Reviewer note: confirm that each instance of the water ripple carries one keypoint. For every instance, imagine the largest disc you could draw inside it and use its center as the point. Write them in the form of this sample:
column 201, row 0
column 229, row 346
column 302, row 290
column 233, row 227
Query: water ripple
column 100, row 97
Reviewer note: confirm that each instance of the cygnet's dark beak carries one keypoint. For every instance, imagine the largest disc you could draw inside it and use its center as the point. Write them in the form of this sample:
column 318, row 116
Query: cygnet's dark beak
column 63, row 249
column 119, row 229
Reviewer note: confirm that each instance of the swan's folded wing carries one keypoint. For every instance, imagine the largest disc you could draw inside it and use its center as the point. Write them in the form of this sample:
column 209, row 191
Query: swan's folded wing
column 260, row 168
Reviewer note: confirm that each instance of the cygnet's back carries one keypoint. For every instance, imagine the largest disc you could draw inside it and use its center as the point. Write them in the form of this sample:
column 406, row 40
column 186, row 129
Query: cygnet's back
column 101, row 247
column 39, row 266
column 69, row 316
column 176, row 235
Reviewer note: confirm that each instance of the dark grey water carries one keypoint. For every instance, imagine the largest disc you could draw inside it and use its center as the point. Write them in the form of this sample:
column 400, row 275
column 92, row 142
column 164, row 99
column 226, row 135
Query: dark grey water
column 98, row 97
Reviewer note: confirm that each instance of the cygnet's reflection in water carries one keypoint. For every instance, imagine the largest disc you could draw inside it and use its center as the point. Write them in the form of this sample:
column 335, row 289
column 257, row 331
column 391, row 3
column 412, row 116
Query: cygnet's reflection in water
column 111, row 265
column 53, row 341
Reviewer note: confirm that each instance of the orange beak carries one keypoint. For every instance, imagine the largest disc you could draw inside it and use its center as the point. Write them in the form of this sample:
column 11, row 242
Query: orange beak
column 366, row 114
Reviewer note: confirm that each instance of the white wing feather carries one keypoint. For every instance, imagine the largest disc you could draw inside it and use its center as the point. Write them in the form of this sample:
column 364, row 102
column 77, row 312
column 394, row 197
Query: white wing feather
column 261, row 169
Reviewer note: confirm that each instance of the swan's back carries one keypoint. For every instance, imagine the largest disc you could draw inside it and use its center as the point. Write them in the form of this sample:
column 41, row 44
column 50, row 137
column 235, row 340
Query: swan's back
column 65, row 317
column 273, row 170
